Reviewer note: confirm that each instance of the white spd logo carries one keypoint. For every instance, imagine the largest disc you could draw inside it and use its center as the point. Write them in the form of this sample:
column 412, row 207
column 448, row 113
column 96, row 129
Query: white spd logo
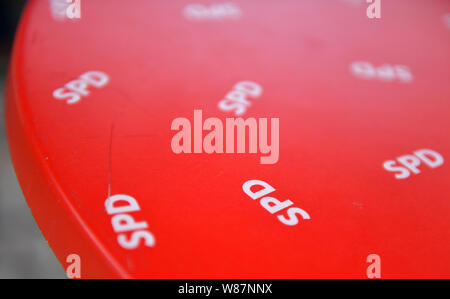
column 410, row 163
column 273, row 205
column 212, row 12
column 75, row 90
column 130, row 233
column 237, row 100
column 385, row 72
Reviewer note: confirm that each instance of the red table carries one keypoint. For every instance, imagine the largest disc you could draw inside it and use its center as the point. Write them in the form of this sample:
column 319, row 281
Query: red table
column 91, row 104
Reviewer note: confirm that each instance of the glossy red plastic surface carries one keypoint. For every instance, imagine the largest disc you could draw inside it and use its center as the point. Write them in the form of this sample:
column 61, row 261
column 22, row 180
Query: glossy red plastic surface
column 336, row 131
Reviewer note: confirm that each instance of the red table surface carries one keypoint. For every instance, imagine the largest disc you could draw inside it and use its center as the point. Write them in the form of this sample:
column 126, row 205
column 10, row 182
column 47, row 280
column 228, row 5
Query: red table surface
column 336, row 131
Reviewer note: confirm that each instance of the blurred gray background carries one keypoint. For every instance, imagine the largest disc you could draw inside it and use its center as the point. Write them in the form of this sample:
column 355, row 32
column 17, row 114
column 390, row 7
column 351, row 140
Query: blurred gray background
column 24, row 253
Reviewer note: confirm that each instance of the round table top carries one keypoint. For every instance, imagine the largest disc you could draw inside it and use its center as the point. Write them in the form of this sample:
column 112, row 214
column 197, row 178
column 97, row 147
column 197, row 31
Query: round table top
column 244, row 139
